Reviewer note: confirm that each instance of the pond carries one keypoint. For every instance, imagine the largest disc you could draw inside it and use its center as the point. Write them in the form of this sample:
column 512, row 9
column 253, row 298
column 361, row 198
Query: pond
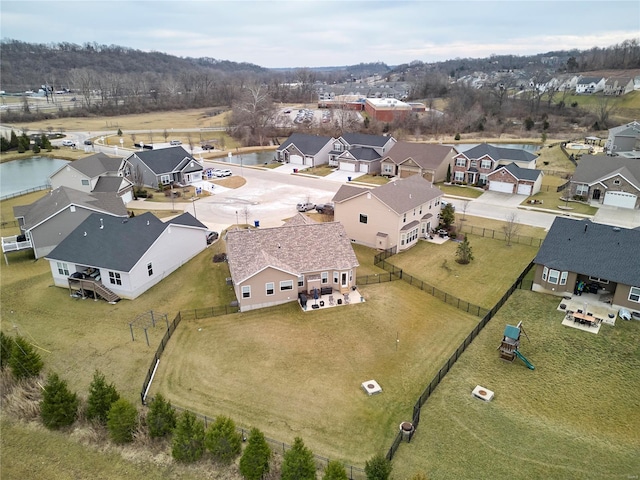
column 256, row 158
column 463, row 147
column 19, row 175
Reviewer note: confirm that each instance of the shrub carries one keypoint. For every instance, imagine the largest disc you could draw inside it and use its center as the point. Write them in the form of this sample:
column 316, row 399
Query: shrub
column 101, row 397
column 297, row 463
column 6, row 346
column 457, row 137
column 378, row 468
column 254, row 463
column 188, row 438
column 529, row 123
column 223, row 440
column 335, row 471
column 59, row 406
column 161, row 418
column 121, row 421
column 24, row 361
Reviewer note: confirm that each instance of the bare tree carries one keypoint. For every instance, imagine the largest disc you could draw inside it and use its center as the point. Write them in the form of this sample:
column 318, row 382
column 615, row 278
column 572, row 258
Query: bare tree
column 604, row 109
column 511, row 228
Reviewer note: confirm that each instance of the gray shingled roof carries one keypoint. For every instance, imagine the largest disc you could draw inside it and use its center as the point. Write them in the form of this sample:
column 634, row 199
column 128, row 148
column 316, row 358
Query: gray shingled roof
column 307, row 144
column 427, row 156
column 499, row 153
column 166, row 160
column 348, row 191
column 118, row 246
column 95, row 165
column 108, row 184
column 593, row 249
column 520, row 173
column 60, row 198
column 188, row 220
column 296, row 249
column 365, row 154
column 592, row 168
column 587, row 80
column 365, row 139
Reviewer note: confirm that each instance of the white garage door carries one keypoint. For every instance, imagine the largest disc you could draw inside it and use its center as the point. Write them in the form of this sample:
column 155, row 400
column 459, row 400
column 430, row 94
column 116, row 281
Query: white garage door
column 348, row 167
column 620, row 199
column 504, row 187
column 524, row 189
column 364, row 167
column 127, row 197
column 296, row 159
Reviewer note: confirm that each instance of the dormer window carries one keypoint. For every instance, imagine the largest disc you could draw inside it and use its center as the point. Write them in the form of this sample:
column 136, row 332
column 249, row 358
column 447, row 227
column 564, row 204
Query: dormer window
column 616, row 181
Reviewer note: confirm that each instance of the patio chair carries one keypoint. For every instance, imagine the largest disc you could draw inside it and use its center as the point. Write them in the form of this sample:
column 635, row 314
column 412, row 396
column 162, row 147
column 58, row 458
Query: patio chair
column 331, row 301
column 346, row 298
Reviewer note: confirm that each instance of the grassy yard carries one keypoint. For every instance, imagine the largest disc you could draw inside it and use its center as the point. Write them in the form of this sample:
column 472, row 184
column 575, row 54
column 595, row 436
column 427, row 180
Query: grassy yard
column 372, row 179
column 460, row 191
column 574, row 416
column 482, row 282
column 471, row 222
column 294, row 373
column 553, row 158
column 321, row 171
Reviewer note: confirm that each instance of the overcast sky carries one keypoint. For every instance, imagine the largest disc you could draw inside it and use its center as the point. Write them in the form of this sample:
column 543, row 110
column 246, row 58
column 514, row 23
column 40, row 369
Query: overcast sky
column 315, row 33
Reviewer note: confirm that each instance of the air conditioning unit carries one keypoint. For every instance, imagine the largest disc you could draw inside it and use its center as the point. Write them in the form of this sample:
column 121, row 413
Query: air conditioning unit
column 482, row 393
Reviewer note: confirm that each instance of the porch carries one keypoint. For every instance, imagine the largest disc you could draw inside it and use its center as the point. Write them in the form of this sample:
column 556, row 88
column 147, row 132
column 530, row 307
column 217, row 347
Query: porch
column 329, row 300
column 15, row 243
column 87, row 284
column 587, row 312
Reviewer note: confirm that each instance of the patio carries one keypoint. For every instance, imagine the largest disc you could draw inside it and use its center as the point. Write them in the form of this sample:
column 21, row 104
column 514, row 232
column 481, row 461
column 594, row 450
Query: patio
column 335, row 299
column 587, row 312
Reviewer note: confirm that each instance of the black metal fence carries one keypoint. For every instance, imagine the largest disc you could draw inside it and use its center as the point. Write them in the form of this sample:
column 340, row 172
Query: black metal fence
column 24, row 192
column 376, row 278
column 489, row 233
column 208, row 312
column 454, row 358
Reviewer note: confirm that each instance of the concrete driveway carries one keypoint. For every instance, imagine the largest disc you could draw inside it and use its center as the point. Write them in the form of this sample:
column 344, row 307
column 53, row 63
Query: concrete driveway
column 501, row 199
column 618, row 216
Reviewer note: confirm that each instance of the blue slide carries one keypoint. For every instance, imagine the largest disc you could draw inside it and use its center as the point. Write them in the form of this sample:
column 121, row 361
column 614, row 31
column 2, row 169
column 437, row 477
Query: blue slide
column 524, row 359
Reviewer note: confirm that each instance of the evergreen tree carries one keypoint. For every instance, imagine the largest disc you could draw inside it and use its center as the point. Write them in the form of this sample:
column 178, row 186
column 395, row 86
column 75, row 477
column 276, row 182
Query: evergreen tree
column 59, row 406
column 4, row 144
column 122, row 420
column 161, row 418
column 335, row 471
column 13, row 141
column 223, row 440
column 447, row 215
column 24, row 361
column 188, row 438
column 6, row 346
column 464, row 252
column 298, row 463
column 101, row 397
column 24, row 142
column 378, row 468
column 254, row 463
column 45, row 143
column 448, row 178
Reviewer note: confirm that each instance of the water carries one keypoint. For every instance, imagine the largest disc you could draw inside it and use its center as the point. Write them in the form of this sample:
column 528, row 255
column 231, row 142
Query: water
column 463, row 147
column 19, row 175
column 257, row 158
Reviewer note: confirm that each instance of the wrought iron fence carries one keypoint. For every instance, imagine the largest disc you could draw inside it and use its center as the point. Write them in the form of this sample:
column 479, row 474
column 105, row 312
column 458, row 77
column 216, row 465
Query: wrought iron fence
column 489, row 233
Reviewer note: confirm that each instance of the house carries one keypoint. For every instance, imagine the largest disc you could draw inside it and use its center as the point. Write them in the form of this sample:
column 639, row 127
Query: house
column 624, row 138
column 271, row 266
column 474, row 165
column 99, row 173
column 394, row 215
column 305, row 149
column 124, row 257
column 360, row 152
column 613, row 181
column 427, row 160
column 618, row 86
column 48, row 221
column 605, row 258
column 165, row 166
column 513, row 179
column 590, row 85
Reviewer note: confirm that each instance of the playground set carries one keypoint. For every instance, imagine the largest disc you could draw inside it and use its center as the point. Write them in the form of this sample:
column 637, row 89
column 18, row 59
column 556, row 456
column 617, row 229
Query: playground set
column 510, row 343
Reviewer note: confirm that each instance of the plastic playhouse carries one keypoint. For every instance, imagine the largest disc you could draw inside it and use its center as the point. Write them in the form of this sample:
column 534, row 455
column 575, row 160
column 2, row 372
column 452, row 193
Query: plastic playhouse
column 510, row 343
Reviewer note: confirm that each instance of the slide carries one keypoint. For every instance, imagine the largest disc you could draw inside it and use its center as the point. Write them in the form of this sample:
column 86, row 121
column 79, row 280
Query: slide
column 524, row 359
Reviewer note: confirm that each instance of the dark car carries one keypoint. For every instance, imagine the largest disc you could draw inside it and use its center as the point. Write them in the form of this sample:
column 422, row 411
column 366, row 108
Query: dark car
column 88, row 142
column 326, row 208
column 207, row 146
column 211, row 237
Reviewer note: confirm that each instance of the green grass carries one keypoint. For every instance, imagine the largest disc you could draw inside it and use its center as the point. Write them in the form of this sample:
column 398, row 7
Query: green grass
column 497, row 225
column 321, row 171
column 294, row 373
column 574, row 416
column 481, row 282
column 555, row 160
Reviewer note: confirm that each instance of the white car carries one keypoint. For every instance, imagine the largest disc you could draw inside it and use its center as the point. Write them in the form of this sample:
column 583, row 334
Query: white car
column 68, row 143
column 225, row 172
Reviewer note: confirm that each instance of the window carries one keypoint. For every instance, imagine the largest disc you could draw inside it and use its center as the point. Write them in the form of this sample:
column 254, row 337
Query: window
column 337, row 146
column 270, row 287
column 403, row 238
column 616, row 182
column 554, row 275
column 114, row 278
column 363, row 218
column 165, row 179
column 634, row 294
column 563, row 278
column 413, row 235
column 420, row 212
column 150, row 269
column 301, row 281
column 387, row 169
column 246, row 291
column 598, row 279
column 63, row 269
column 545, row 273
column 485, row 164
column 336, row 277
column 483, row 178
column 286, row 285
column 474, row 163
column 324, row 277
column 85, row 182
column 404, row 218
column 461, row 162
column 458, row 176
column 582, row 189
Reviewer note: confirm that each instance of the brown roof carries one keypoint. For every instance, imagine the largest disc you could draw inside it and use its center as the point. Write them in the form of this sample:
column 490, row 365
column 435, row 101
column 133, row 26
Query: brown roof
column 296, row 249
column 299, row 219
column 347, row 191
column 427, row 156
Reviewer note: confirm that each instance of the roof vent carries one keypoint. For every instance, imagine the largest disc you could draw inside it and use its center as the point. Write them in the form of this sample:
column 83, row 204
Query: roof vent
column 147, row 222
column 616, row 229
column 85, row 234
column 101, row 224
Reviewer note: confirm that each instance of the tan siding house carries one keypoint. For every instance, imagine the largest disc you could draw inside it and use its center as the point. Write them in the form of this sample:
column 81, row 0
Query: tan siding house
column 428, row 160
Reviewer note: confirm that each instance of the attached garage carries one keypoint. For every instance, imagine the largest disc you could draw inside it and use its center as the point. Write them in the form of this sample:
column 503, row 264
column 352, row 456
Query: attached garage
column 364, row 168
column 347, row 166
column 127, row 197
column 620, row 199
column 504, row 187
column 296, row 159
column 524, row 189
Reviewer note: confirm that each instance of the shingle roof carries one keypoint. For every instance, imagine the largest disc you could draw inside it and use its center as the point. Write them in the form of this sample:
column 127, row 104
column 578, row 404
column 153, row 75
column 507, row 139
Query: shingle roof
column 499, row 153
column 108, row 184
column 592, row 249
column 427, row 156
column 62, row 197
column 520, row 173
column 188, row 220
column 307, row 144
column 299, row 219
column 95, row 165
column 365, row 139
column 366, row 154
column 594, row 168
column 166, row 160
column 296, row 249
column 348, row 191
column 587, row 80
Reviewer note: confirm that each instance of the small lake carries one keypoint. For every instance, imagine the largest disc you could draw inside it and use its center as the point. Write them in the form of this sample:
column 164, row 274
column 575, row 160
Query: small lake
column 463, row 147
column 19, row 175
column 257, row 158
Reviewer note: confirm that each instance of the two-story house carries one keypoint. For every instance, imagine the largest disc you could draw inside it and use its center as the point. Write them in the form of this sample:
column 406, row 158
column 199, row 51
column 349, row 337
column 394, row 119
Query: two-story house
column 394, row 215
column 427, row 160
column 473, row 166
column 590, row 85
column 624, row 138
column 360, row 152
column 304, row 149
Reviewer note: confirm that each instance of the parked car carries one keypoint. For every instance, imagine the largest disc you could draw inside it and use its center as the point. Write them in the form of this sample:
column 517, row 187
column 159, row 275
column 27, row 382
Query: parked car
column 305, row 207
column 444, row 203
column 326, row 208
column 208, row 147
column 287, row 111
column 211, row 237
column 68, row 143
column 88, row 142
column 225, row 172
column 175, row 142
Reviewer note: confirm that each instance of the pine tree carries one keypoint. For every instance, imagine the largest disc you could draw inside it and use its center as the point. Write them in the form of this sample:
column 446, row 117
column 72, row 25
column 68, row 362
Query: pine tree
column 448, row 178
column 254, row 463
column 161, row 418
column 101, row 397
column 298, row 463
column 24, row 142
column 6, row 346
column 464, row 252
column 122, row 420
column 25, row 361
column 223, row 440
column 13, row 141
column 447, row 215
column 335, row 471
column 4, row 144
column 45, row 143
column 378, row 468
column 59, row 406
column 188, row 438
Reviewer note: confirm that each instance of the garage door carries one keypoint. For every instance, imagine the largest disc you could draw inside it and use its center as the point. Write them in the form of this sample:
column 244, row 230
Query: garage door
column 504, row 187
column 348, row 167
column 524, row 189
column 127, row 197
column 620, row 199
column 364, row 167
column 296, row 159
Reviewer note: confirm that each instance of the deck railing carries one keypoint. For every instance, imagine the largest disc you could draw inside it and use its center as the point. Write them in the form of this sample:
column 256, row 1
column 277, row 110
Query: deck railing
column 11, row 244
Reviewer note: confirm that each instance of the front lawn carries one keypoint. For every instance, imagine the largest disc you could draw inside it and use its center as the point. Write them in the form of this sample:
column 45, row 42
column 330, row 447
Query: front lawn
column 460, row 191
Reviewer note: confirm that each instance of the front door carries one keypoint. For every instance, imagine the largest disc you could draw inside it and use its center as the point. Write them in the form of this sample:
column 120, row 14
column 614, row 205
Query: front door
column 344, row 278
column 596, row 194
